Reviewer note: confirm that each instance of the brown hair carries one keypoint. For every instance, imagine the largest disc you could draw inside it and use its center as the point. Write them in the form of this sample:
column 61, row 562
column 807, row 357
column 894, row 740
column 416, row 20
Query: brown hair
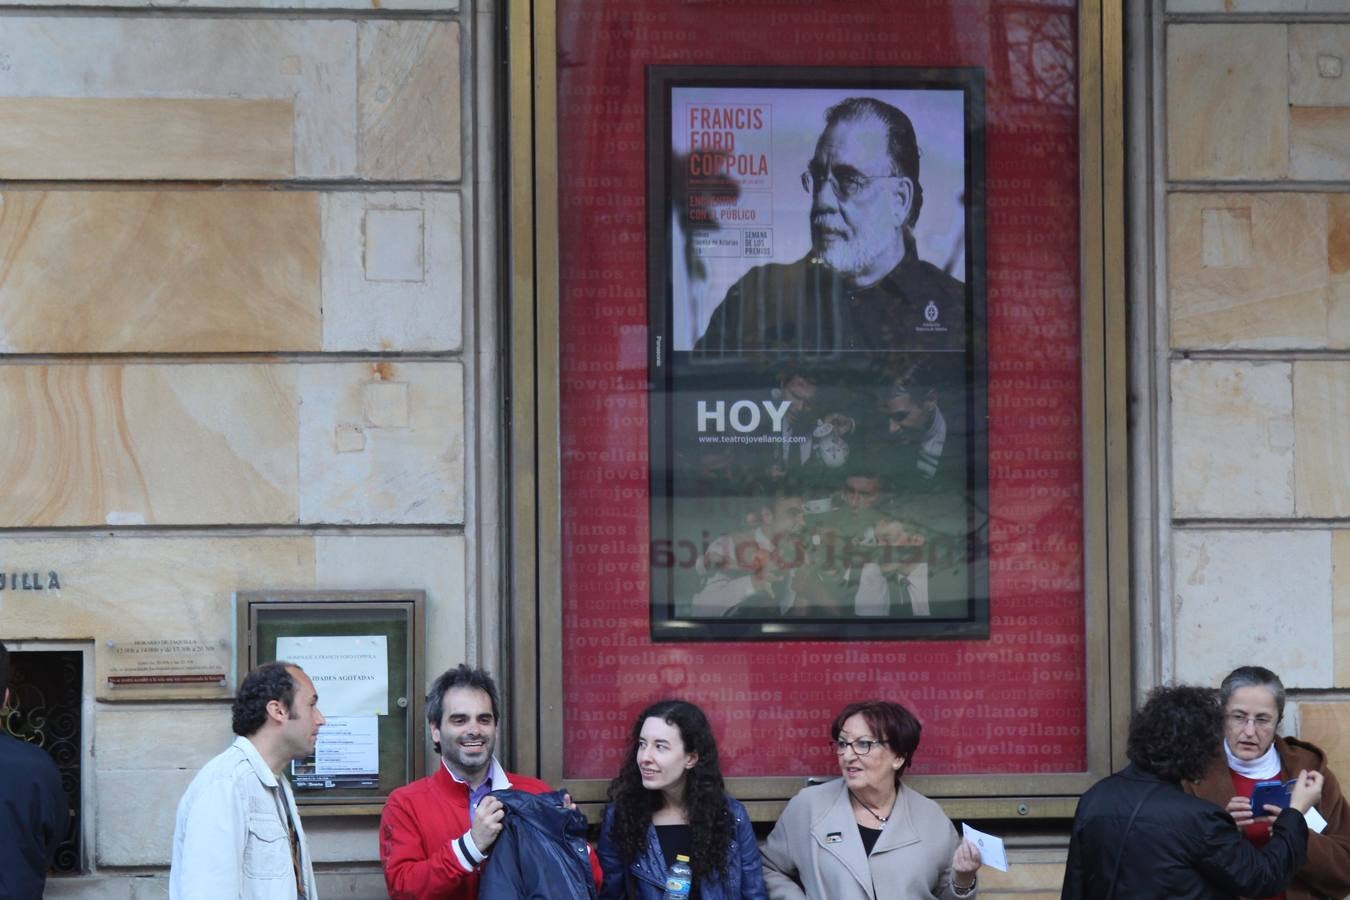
column 890, row 722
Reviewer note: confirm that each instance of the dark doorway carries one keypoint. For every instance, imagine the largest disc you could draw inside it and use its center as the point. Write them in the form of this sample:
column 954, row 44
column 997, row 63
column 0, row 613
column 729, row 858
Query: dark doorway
column 46, row 689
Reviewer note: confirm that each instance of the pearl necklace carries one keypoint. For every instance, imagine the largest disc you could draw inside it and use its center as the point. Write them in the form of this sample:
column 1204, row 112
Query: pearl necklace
column 876, row 815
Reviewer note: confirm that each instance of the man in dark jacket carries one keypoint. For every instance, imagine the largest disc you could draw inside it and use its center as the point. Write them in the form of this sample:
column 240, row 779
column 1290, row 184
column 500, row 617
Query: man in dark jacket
column 33, row 811
column 1137, row 834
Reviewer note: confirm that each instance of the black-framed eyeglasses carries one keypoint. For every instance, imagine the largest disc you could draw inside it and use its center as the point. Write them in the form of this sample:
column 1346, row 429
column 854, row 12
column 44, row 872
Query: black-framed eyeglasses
column 847, row 183
column 861, row 746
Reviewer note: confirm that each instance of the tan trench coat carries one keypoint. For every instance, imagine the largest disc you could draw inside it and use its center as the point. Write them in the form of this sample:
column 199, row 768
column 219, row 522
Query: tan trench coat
column 815, row 852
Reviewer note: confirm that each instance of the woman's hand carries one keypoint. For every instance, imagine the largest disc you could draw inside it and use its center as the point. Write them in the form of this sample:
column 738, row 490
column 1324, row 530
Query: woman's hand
column 965, row 863
column 1307, row 791
column 1240, row 808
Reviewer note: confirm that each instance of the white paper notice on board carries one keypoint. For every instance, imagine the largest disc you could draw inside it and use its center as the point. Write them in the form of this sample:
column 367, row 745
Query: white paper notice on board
column 348, row 745
column 350, row 673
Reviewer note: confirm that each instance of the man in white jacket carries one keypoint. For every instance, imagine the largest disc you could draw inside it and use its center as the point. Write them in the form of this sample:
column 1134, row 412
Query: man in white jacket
column 238, row 834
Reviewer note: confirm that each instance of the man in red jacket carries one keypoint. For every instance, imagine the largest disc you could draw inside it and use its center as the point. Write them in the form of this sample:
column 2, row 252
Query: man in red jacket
column 436, row 832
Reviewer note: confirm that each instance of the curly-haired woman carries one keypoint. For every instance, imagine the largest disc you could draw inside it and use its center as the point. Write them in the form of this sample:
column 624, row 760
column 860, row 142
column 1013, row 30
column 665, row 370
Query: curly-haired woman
column 669, row 800
column 1137, row 834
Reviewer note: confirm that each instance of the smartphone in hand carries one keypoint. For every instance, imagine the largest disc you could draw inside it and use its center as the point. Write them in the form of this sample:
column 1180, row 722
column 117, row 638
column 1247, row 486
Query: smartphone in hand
column 1271, row 793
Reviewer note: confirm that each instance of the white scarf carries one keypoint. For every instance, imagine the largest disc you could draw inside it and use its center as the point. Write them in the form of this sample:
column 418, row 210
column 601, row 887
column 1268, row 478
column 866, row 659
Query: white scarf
column 1264, row 767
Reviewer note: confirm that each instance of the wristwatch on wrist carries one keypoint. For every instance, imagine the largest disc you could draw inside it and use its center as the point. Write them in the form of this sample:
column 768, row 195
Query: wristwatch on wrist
column 966, row 891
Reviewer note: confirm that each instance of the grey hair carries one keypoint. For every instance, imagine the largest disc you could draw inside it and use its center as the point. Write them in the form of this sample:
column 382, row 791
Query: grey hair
column 1253, row 676
column 901, row 143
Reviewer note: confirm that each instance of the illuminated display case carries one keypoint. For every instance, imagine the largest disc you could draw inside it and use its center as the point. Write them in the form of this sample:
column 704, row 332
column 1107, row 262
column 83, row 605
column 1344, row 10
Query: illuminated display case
column 628, row 264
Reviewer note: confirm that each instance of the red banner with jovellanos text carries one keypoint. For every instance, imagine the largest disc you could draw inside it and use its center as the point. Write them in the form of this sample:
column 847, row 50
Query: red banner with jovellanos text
column 1007, row 694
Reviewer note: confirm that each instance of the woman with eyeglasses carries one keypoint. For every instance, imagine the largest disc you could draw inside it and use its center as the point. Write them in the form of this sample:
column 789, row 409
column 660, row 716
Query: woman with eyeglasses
column 867, row 835
column 668, row 800
column 1253, row 706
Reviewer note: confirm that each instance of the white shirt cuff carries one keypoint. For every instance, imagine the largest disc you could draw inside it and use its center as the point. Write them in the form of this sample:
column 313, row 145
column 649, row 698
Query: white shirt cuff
column 467, row 852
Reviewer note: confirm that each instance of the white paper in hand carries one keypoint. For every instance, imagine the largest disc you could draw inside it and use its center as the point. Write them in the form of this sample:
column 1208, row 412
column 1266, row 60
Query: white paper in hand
column 992, row 853
column 1314, row 819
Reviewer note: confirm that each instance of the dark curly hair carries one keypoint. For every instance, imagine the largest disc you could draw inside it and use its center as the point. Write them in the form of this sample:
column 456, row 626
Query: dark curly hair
column 461, row 676
column 705, row 802
column 889, row 722
column 1177, row 733
column 270, row 681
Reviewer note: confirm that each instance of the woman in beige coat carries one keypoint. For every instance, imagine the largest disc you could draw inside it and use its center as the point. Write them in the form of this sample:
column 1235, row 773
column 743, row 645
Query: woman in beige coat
column 866, row 835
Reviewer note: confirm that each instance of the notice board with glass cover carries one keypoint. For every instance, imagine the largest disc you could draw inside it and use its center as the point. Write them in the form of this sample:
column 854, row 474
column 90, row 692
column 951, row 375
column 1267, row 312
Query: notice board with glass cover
column 361, row 650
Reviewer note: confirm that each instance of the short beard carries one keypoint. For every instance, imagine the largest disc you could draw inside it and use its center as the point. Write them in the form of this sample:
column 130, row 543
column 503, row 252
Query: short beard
column 454, row 757
column 852, row 258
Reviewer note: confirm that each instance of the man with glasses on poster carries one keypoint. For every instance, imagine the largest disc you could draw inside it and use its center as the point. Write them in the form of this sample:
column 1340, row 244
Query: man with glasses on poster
column 868, row 362
column 862, row 286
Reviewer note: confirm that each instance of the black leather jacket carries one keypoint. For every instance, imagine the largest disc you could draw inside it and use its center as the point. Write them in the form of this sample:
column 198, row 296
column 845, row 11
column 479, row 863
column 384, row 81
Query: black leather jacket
column 541, row 853
column 1179, row 846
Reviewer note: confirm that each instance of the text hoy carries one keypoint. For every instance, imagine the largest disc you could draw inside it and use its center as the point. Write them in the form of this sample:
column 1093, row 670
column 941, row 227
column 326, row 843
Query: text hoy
column 29, row 581
column 745, row 415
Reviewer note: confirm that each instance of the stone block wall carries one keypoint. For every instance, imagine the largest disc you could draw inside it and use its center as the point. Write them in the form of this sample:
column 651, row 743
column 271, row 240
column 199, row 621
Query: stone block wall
column 233, row 263
column 1257, row 304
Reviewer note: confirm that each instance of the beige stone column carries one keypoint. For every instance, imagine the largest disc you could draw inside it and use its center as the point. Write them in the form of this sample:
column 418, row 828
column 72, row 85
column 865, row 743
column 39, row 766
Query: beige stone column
column 1258, row 280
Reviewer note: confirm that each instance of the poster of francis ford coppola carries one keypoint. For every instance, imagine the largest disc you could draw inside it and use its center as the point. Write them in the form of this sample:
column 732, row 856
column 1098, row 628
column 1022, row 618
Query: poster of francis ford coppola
column 817, row 353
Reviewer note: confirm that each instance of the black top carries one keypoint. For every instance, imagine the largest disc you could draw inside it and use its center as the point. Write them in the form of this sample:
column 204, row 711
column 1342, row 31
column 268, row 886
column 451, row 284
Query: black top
column 869, row 837
column 1179, row 846
column 34, row 818
column 676, row 840
column 806, row 308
